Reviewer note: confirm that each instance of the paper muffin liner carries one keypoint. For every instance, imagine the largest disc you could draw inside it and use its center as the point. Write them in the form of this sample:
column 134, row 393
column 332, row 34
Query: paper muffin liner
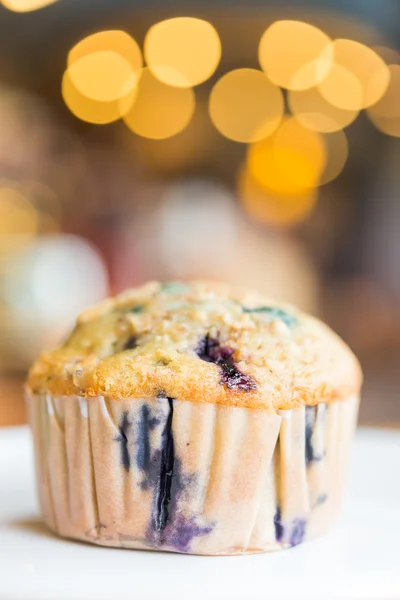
column 164, row 474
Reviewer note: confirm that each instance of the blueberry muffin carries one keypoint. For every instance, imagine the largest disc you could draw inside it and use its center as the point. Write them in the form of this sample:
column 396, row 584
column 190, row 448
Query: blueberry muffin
column 195, row 418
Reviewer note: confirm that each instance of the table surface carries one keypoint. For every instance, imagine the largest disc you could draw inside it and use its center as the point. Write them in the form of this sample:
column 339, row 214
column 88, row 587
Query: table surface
column 358, row 559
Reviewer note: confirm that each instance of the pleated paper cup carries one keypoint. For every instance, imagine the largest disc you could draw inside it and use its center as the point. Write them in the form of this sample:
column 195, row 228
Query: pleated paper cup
column 163, row 474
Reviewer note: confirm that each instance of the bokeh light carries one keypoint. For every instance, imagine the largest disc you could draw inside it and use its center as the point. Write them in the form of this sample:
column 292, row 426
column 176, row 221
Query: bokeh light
column 342, row 89
column 289, row 162
column 337, row 151
column 290, row 53
column 211, row 207
column 389, row 126
column 45, row 198
column 245, row 106
column 366, row 65
column 18, row 217
column 246, row 253
column 274, row 209
column 89, row 110
column 26, row 5
column 28, row 209
column 311, row 73
column 190, row 47
column 385, row 114
column 389, row 55
column 102, row 69
column 159, row 110
column 389, row 105
column 112, row 40
column 314, row 112
column 49, row 264
column 102, row 76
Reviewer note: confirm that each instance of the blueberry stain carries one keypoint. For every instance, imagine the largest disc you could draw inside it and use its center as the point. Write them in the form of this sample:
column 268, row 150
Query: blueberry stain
column 162, row 470
column 122, row 439
column 278, row 524
column 210, row 350
column 136, row 309
column 274, row 312
column 234, row 379
column 184, row 531
column 298, row 531
column 310, row 454
column 321, row 499
column 166, row 473
column 145, row 424
column 130, row 343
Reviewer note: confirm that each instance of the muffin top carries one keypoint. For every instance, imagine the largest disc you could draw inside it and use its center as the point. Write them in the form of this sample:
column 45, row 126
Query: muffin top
column 200, row 342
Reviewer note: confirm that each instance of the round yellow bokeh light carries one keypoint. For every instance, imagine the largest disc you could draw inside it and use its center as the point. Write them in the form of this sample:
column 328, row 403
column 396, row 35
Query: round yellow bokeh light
column 369, row 69
column 245, row 106
column 313, row 111
column 385, row 114
column 290, row 161
column 103, row 76
column 93, row 111
column 337, row 151
column 389, row 105
column 26, row 5
column 18, row 216
column 113, row 40
column 190, row 47
column 388, row 125
column 294, row 54
column 159, row 110
column 278, row 210
column 342, row 89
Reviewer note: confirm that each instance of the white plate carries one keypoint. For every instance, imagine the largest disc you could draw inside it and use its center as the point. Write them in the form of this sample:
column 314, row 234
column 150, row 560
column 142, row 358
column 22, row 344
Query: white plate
column 358, row 559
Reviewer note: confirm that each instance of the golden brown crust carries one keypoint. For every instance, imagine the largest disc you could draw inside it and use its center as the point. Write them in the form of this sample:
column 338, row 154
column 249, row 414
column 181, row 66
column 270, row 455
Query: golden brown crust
column 273, row 358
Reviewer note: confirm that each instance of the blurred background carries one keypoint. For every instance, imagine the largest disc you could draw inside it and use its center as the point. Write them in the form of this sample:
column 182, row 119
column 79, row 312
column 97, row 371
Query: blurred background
column 254, row 142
